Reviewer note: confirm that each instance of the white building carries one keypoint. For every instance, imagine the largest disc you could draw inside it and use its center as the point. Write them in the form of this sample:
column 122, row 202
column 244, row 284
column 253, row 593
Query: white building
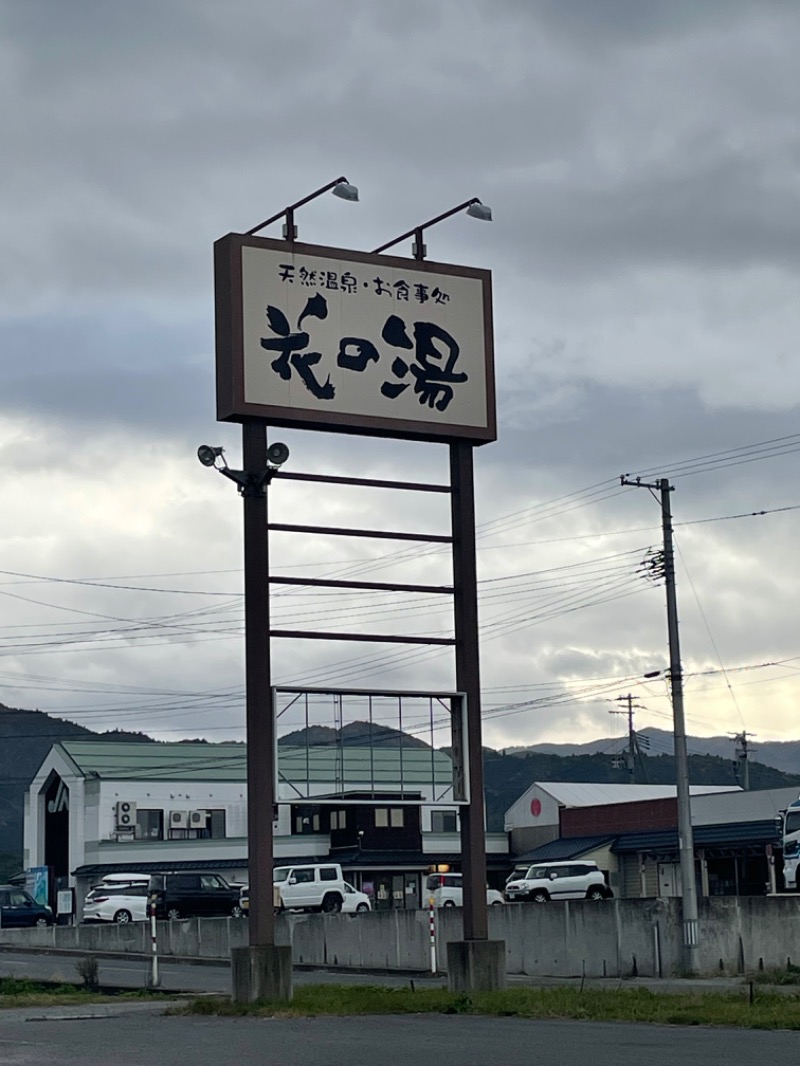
column 97, row 807
column 533, row 819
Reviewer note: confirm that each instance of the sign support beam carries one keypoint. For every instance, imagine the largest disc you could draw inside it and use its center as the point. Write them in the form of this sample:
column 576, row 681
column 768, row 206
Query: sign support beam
column 259, row 712
column 465, row 581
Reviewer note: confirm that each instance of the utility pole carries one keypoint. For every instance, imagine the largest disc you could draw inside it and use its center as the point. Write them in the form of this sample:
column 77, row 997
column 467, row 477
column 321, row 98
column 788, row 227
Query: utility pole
column 685, row 835
column 630, row 755
column 742, row 763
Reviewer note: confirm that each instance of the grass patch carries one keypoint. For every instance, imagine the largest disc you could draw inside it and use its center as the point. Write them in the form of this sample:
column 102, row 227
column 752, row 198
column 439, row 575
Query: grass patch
column 767, row 1011
column 21, row 992
column 788, row 976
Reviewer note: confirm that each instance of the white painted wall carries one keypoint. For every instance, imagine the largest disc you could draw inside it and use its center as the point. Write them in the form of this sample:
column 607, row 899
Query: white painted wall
column 520, row 813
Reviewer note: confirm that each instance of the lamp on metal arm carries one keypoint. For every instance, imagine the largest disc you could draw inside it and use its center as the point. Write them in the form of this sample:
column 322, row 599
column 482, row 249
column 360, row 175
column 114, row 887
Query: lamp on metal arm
column 340, row 187
column 474, row 208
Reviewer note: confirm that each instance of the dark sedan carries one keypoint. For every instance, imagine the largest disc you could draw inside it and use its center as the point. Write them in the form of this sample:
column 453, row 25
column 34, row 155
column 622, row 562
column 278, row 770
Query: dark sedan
column 18, row 909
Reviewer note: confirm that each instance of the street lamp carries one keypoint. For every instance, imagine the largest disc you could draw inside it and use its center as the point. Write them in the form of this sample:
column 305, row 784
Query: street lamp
column 340, row 187
column 474, row 208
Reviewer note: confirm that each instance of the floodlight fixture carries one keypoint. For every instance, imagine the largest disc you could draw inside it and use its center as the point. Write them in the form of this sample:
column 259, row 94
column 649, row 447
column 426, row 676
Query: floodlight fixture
column 208, row 455
column 480, row 211
column 345, row 191
column 277, row 454
column 248, row 482
column 341, row 187
column 474, row 208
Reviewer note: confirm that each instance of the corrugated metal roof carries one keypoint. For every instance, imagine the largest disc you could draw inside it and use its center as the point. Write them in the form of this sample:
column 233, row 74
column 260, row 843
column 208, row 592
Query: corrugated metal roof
column 588, row 794
column 100, row 869
column 731, row 834
column 134, row 761
column 564, row 848
column 349, row 768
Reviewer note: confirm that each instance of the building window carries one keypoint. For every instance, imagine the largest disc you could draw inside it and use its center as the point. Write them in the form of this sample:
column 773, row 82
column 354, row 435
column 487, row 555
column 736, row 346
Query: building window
column 215, row 825
column 444, row 821
column 149, row 825
column 389, row 819
column 305, row 820
column 338, row 819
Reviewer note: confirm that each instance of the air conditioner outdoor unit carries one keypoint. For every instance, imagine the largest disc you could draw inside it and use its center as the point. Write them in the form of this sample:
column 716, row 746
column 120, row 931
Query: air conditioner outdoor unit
column 179, row 819
column 126, row 815
column 198, row 819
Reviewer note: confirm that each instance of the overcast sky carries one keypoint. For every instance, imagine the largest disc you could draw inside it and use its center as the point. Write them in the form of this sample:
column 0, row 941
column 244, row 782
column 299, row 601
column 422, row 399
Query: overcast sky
column 642, row 161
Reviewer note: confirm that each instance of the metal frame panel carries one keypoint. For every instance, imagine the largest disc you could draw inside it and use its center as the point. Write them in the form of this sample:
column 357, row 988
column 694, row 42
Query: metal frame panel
column 374, row 792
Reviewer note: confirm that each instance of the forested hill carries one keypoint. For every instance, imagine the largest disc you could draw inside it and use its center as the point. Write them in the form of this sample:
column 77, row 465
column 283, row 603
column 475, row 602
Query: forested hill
column 507, row 776
column 26, row 737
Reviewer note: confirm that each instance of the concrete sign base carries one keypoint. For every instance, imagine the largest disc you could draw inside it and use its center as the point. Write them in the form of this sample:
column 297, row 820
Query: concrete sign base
column 476, row 965
column 262, row 972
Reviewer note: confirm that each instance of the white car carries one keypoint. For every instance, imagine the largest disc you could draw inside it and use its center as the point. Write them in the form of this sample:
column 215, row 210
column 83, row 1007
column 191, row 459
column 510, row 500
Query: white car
column 116, row 903
column 446, row 891
column 355, row 902
column 310, row 887
column 559, row 880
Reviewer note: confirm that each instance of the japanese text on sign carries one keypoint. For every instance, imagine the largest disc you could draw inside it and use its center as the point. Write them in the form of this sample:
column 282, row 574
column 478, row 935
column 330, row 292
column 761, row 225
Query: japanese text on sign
column 346, row 337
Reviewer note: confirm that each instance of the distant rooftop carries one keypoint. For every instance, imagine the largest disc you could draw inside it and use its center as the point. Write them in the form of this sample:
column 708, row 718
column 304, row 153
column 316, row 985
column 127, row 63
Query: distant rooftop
column 350, row 767
column 586, row 794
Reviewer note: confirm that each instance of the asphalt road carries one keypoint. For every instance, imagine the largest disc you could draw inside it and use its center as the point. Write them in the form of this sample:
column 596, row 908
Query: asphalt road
column 176, row 976
column 187, row 976
column 148, row 1039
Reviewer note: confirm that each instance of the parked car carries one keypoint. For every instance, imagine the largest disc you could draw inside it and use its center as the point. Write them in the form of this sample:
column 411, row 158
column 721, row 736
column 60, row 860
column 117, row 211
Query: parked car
column 355, row 902
column 186, row 894
column 19, row 909
column 559, row 880
column 117, row 880
column 310, row 887
column 447, row 891
column 119, row 903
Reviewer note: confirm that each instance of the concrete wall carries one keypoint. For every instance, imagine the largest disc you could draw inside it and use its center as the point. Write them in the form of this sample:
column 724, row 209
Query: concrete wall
column 619, row 938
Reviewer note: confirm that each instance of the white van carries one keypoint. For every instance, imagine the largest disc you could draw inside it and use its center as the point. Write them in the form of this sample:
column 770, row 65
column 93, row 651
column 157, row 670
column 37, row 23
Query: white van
column 117, row 881
column 446, row 891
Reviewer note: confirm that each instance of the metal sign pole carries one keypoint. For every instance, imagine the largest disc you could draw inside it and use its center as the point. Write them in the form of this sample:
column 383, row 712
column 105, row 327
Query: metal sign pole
column 465, row 581
column 260, row 721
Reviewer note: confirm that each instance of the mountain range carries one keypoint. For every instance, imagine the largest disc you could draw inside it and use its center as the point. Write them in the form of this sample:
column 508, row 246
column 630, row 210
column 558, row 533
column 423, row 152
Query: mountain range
column 781, row 754
column 27, row 736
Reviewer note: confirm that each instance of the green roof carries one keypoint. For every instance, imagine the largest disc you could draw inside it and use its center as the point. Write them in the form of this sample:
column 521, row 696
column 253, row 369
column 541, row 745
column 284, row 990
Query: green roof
column 140, row 761
column 354, row 768
column 347, row 768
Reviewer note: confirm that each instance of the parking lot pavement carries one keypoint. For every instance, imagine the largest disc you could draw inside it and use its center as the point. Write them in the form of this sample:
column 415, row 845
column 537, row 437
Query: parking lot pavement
column 134, row 1039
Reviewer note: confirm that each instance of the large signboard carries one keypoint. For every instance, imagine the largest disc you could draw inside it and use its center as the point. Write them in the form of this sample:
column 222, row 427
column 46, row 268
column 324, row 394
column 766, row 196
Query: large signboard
column 323, row 338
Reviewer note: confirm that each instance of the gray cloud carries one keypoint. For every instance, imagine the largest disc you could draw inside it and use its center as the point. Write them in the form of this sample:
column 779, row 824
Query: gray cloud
column 641, row 161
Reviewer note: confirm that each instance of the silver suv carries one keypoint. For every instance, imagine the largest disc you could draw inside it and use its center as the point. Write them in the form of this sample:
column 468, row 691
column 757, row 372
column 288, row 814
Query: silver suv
column 559, row 880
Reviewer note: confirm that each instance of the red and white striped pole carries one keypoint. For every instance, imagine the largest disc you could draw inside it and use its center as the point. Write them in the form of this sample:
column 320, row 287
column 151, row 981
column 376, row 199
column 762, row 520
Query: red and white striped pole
column 155, row 979
column 432, row 923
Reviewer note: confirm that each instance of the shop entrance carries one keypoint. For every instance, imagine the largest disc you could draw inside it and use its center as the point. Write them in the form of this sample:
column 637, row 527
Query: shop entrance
column 393, row 891
column 56, row 828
